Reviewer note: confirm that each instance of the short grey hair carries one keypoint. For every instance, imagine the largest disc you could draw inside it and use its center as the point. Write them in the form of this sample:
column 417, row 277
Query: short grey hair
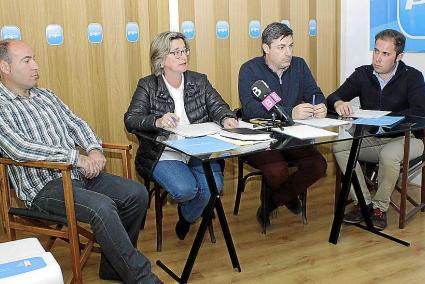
column 160, row 48
column 274, row 31
column 4, row 51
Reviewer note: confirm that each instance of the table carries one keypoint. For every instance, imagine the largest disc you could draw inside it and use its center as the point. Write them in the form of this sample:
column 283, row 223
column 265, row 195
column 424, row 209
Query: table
column 283, row 142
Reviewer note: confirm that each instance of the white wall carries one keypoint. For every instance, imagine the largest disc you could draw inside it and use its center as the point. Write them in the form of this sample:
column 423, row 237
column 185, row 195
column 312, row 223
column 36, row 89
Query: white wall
column 355, row 22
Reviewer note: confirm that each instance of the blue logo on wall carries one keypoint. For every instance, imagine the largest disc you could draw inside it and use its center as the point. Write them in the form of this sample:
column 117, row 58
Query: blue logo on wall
column 406, row 16
column 222, row 29
column 254, row 29
column 54, row 34
column 188, row 29
column 132, row 31
column 10, row 32
column 95, row 33
column 312, row 28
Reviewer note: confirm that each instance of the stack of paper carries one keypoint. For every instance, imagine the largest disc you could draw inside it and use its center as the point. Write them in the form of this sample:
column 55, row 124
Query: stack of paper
column 305, row 132
column 200, row 145
column 245, row 134
column 322, row 122
column 368, row 113
column 196, row 130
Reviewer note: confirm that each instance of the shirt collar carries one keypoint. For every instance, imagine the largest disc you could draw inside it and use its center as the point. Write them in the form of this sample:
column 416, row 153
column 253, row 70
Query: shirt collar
column 382, row 81
column 10, row 95
column 169, row 87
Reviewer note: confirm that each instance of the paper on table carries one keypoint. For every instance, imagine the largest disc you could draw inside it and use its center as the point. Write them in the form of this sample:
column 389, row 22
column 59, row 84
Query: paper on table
column 368, row 113
column 243, row 124
column 200, row 145
column 239, row 142
column 322, row 122
column 305, row 132
column 195, row 130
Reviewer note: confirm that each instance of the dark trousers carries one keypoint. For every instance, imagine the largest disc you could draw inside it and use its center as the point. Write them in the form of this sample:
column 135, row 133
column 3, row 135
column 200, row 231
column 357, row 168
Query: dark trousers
column 114, row 208
column 310, row 167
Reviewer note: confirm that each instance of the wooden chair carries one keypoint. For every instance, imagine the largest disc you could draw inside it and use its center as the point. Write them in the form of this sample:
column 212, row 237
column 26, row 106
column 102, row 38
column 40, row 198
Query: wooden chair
column 67, row 228
column 243, row 179
column 414, row 167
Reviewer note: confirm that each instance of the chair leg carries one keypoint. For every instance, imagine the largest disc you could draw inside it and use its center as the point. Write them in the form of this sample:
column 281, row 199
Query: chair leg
column 264, row 193
column 158, row 217
column 338, row 180
column 303, row 197
column 240, row 187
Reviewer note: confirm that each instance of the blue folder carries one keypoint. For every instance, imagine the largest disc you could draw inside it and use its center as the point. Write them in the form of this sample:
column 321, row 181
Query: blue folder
column 385, row 121
column 201, row 145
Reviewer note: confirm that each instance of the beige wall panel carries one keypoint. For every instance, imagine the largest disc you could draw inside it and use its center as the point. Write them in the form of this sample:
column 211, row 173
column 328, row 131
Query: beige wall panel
column 299, row 17
column 327, row 46
column 205, row 38
column 222, row 53
column 187, row 13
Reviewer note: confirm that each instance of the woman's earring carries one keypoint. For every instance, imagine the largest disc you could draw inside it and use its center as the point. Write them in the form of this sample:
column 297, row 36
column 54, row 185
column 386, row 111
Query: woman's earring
column 161, row 66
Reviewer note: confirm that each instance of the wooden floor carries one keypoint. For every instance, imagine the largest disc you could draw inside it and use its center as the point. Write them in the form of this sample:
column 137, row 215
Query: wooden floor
column 290, row 252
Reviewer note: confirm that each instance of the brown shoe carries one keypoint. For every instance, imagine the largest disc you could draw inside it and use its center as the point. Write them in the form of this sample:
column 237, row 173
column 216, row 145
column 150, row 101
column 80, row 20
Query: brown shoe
column 355, row 216
column 379, row 219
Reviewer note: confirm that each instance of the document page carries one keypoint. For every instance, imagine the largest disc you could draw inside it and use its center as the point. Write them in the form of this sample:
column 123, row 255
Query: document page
column 322, row 122
column 305, row 132
column 368, row 113
column 196, row 130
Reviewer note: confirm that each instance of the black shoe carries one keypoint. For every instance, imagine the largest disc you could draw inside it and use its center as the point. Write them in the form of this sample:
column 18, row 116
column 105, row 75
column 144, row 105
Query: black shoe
column 379, row 219
column 182, row 226
column 355, row 216
column 294, row 206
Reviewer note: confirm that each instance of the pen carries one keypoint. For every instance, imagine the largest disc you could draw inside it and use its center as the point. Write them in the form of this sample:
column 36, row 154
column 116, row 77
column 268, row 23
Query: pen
column 313, row 103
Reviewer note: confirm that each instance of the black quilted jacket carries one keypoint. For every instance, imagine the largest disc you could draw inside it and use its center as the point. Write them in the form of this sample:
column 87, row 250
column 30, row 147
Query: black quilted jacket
column 151, row 100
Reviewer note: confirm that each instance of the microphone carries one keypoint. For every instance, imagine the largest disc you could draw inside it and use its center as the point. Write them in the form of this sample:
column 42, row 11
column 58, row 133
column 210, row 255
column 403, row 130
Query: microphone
column 269, row 100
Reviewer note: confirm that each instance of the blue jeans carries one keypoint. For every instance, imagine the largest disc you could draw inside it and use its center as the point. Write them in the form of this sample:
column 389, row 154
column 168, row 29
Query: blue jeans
column 187, row 184
column 114, row 207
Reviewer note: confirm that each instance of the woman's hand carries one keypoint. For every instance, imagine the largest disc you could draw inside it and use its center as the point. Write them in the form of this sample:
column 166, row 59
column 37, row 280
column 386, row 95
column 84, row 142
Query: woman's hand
column 168, row 120
column 230, row 122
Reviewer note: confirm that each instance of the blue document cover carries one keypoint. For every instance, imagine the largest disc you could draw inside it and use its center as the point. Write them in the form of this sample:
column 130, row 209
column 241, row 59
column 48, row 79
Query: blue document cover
column 385, row 121
column 21, row 266
column 201, row 145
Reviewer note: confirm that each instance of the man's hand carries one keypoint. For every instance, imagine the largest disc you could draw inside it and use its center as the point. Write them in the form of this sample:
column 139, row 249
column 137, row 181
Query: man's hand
column 303, row 111
column 343, row 108
column 230, row 122
column 320, row 110
column 167, row 120
column 89, row 167
column 98, row 158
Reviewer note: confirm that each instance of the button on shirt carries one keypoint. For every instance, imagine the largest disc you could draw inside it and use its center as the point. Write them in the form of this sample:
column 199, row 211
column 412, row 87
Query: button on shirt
column 40, row 127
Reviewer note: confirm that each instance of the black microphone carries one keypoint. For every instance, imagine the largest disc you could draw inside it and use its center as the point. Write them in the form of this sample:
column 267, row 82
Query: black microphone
column 269, row 100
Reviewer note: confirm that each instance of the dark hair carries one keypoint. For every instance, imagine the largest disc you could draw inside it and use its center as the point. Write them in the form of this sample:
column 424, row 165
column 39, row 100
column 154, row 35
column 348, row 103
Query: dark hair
column 274, row 31
column 4, row 51
column 398, row 38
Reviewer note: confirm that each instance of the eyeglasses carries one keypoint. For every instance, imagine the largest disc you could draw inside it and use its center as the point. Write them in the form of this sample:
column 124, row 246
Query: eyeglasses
column 179, row 52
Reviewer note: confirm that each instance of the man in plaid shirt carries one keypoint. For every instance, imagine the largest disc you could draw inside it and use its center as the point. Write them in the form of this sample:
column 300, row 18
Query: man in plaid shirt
column 35, row 125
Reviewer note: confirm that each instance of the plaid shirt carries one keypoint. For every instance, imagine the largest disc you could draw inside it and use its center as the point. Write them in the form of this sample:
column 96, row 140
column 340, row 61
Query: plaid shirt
column 40, row 127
